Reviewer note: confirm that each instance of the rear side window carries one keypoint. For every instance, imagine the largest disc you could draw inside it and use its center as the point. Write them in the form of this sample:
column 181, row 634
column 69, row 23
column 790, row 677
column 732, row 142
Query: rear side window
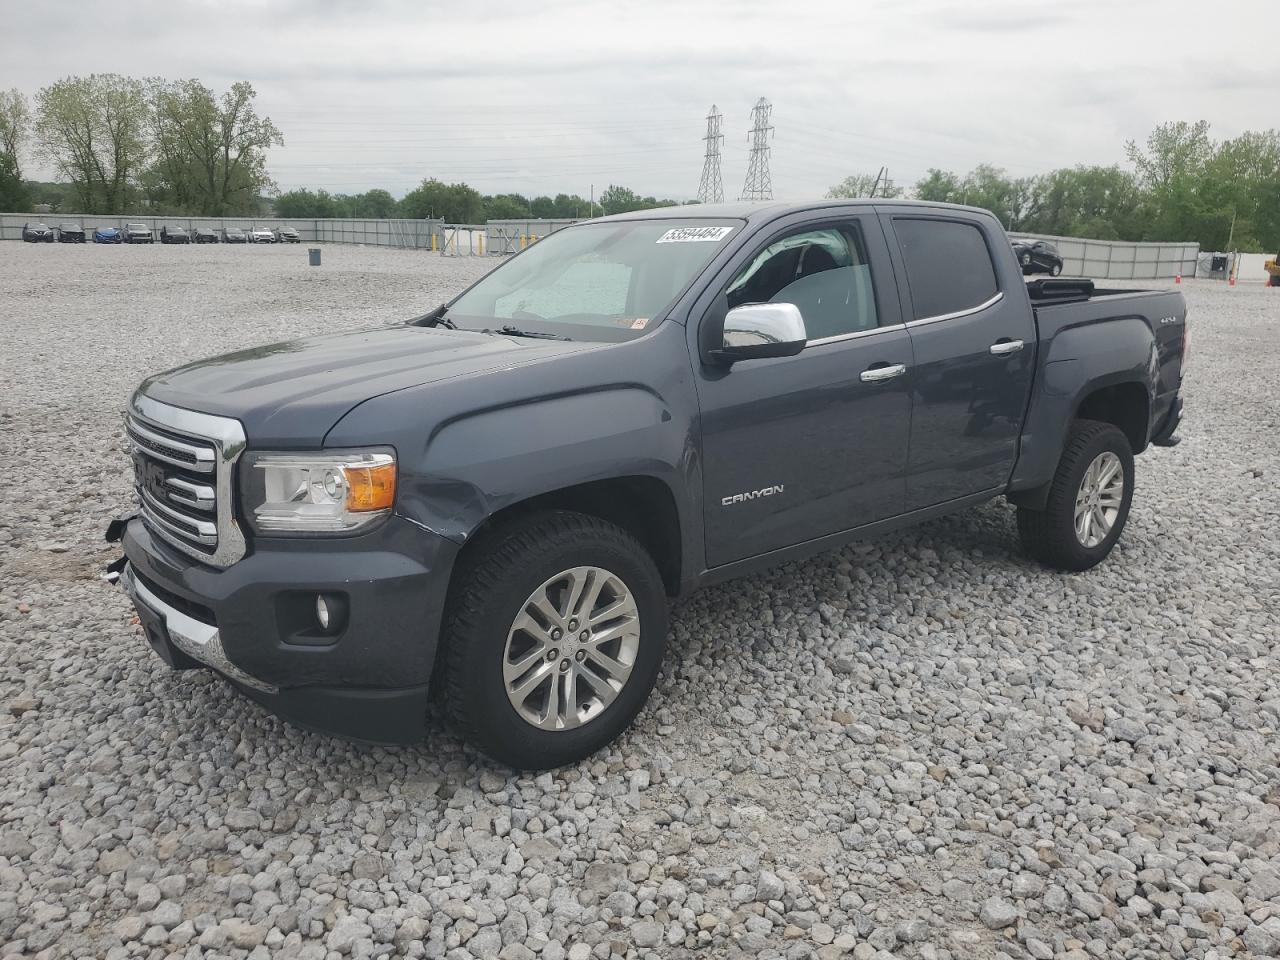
column 948, row 265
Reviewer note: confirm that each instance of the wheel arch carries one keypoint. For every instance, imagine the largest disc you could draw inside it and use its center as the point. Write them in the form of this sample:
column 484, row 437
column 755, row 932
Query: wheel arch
column 1126, row 405
column 642, row 505
column 1123, row 403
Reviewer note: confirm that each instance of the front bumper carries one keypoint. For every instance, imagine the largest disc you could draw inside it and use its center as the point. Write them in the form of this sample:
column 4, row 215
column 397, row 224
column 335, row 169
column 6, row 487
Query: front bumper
column 253, row 622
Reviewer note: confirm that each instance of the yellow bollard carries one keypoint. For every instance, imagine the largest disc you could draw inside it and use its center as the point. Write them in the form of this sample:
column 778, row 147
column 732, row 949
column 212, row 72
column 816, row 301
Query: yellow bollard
column 433, row 241
column 481, row 240
column 524, row 240
column 535, row 239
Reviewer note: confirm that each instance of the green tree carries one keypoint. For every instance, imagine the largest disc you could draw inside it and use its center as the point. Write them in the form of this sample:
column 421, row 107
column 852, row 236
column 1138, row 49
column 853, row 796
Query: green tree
column 940, row 186
column 1173, row 169
column 1243, row 179
column 506, row 206
column 616, row 199
column 305, row 204
column 15, row 119
column 570, row 207
column 210, row 151
column 14, row 195
column 451, row 202
column 93, row 130
column 376, row 203
column 861, row 185
column 1100, row 202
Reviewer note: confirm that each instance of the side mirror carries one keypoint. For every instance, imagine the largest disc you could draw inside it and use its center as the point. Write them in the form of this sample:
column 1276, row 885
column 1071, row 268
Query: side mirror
column 755, row 331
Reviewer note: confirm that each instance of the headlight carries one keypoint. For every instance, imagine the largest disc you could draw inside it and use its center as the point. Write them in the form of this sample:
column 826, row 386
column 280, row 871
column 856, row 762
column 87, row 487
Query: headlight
column 331, row 492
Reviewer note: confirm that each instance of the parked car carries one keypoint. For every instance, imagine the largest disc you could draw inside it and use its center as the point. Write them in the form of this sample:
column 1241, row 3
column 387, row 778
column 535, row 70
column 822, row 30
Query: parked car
column 70, row 233
column 287, row 235
column 1038, row 256
column 499, row 497
column 262, row 235
column 234, row 235
column 173, row 233
column 206, row 235
column 37, row 233
column 138, row 233
column 108, row 235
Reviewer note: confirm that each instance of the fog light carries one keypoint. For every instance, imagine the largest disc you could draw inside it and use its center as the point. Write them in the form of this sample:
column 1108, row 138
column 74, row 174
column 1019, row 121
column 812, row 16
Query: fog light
column 322, row 611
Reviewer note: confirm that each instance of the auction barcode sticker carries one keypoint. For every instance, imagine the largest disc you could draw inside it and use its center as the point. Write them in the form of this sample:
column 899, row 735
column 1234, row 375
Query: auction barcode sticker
column 695, row 235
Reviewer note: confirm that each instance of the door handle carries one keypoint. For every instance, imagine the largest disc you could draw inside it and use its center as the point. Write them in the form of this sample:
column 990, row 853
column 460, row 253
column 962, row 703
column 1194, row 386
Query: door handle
column 887, row 372
column 1003, row 347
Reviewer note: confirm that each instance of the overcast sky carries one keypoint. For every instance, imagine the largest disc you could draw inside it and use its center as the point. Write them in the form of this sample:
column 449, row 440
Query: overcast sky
column 556, row 95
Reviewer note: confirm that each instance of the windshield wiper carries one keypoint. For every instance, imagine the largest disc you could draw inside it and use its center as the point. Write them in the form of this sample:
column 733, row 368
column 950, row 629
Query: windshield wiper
column 514, row 331
column 436, row 318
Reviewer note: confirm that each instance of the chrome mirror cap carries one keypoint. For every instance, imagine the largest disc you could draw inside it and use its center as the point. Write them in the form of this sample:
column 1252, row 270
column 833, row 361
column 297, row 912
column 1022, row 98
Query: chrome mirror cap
column 755, row 331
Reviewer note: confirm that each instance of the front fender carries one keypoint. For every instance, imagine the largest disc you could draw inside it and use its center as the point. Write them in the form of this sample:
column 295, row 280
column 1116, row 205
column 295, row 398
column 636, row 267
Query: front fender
column 481, row 463
column 474, row 446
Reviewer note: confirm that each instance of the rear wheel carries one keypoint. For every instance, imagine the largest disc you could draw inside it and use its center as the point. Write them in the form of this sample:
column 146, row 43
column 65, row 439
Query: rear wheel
column 555, row 635
column 1088, row 501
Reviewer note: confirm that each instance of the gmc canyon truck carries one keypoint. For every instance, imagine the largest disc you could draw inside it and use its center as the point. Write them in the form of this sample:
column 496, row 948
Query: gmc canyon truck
column 493, row 503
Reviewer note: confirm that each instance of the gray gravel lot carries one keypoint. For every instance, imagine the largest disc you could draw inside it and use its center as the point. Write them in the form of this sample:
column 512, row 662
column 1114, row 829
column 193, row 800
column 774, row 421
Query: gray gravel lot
column 922, row 746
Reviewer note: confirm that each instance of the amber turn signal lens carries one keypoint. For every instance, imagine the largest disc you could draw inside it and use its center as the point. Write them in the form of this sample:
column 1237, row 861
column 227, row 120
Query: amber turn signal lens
column 370, row 488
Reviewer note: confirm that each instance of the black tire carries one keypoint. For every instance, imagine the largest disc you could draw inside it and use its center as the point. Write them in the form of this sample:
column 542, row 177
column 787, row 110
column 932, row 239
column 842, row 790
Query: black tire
column 1049, row 535
column 491, row 588
column 1057, row 269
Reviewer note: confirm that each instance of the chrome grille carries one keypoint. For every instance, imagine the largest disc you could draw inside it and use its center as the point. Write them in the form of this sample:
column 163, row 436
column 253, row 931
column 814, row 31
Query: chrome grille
column 183, row 473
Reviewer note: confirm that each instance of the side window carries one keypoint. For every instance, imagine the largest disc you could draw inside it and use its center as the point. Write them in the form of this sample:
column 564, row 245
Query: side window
column 823, row 272
column 948, row 265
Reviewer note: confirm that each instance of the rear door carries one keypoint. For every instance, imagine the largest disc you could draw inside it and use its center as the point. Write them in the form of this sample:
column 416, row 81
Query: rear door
column 973, row 337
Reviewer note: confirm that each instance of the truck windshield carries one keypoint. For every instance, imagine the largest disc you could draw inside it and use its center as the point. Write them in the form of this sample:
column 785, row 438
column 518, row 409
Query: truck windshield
column 594, row 281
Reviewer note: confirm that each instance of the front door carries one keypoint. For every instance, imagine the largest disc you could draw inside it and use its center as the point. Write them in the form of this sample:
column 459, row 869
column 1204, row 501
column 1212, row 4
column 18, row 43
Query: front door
column 799, row 447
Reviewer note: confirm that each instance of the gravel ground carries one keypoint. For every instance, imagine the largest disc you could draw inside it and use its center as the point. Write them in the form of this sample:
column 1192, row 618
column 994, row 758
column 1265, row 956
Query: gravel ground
column 922, row 746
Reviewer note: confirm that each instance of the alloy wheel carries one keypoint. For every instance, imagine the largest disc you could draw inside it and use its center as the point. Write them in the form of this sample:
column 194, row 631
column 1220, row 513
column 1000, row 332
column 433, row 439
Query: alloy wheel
column 571, row 648
column 1099, row 499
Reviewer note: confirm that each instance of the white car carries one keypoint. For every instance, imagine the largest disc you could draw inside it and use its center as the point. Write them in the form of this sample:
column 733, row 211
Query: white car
column 262, row 235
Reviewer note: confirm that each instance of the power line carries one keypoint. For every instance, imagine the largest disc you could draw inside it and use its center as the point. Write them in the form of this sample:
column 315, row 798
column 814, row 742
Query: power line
column 711, row 188
column 759, row 185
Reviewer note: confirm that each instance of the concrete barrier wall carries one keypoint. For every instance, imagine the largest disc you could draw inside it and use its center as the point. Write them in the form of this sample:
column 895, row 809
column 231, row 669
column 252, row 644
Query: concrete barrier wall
column 1116, row 260
column 1100, row 259
column 415, row 234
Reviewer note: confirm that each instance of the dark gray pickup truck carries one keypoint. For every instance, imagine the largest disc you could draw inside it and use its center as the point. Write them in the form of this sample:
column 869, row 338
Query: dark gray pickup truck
column 492, row 503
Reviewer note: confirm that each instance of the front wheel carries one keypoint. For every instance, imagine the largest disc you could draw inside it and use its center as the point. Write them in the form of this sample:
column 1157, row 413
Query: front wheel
column 555, row 635
column 1088, row 501
column 1057, row 269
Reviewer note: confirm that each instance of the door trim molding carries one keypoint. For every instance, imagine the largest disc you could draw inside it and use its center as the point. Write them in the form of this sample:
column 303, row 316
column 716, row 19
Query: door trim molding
column 958, row 313
column 854, row 335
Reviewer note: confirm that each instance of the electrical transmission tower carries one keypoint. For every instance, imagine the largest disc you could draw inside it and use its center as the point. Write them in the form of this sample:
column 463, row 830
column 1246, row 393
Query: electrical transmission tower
column 759, row 185
column 711, row 188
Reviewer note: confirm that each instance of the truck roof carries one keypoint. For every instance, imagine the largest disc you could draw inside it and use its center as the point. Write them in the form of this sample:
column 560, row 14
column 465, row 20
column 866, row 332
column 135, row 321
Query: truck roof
column 770, row 209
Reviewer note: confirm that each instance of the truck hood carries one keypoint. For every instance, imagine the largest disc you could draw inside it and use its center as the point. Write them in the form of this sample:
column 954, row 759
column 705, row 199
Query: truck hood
column 290, row 394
